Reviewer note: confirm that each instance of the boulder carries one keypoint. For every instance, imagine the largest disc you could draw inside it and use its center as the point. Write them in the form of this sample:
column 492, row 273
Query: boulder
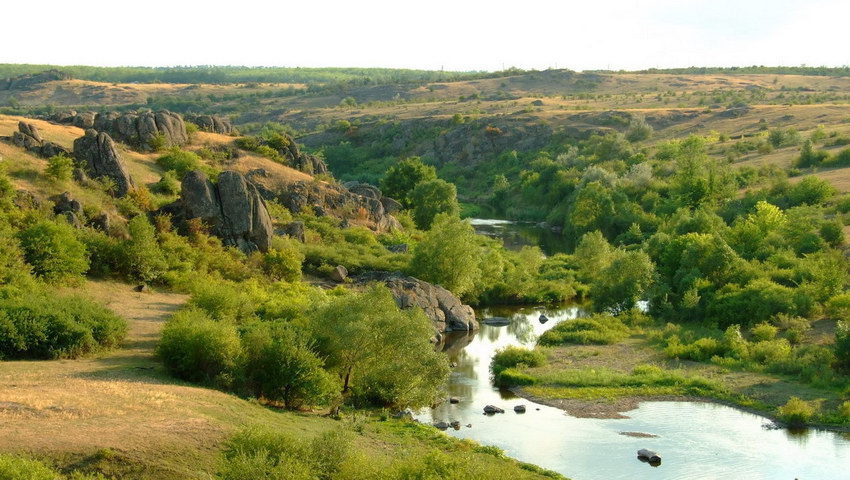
column 454, row 400
column 543, row 318
column 101, row 222
column 79, row 175
column 233, row 208
column 295, row 230
column 30, row 130
column 442, row 425
column 455, row 424
column 490, row 409
column 390, row 205
column 29, row 138
column 142, row 130
column 212, row 123
column 648, row 456
column 98, row 153
column 339, row 274
column 446, row 311
column 65, row 203
column 519, row 408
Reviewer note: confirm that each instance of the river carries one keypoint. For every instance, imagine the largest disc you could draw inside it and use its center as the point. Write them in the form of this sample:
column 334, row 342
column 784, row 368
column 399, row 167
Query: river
column 697, row 440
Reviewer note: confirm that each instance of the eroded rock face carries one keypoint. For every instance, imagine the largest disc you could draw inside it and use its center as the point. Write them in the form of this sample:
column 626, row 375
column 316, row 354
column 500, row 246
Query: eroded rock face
column 233, row 208
column 446, row 311
column 29, row 138
column 97, row 152
column 212, row 123
column 141, row 130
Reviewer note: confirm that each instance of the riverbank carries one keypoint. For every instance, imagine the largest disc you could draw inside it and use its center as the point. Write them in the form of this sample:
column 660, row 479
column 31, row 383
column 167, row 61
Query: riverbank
column 608, row 381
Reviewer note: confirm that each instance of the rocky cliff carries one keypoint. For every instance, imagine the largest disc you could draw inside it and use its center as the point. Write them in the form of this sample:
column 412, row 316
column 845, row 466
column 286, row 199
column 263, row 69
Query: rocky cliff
column 143, row 130
column 212, row 123
column 97, row 153
column 232, row 208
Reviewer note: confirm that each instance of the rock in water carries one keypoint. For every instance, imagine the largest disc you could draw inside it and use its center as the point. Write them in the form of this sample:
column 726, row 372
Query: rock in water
column 519, row 409
column 497, row 321
column 490, row 409
column 98, row 153
column 543, row 318
column 649, row 455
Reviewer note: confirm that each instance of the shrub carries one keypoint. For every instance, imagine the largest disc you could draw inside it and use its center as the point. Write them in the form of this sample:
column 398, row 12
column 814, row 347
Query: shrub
column 283, row 264
column 59, row 167
column 54, row 251
column 796, row 412
column 701, row 350
column 842, row 346
column 41, row 326
column 196, row 348
column 763, row 331
column 432, row 198
column 770, row 351
column 168, row 184
column 17, row 468
column 512, row 356
column 596, row 329
column 179, row 161
column 143, row 258
column 224, row 300
column 281, row 367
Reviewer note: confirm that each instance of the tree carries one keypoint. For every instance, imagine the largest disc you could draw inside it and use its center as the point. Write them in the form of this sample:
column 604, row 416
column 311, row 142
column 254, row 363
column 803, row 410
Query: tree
column 593, row 254
column 403, row 177
column 382, row 354
column 54, row 251
column 59, row 167
column 431, row 199
column 144, row 259
column 281, row 366
column 448, row 255
column 638, row 130
column 622, row 284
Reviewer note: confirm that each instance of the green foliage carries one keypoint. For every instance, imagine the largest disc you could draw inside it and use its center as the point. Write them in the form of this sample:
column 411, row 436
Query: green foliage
column 448, row 255
column 197, row 348
column 639, row 130
column 431, row 198
column 381, row 353
column 842, row 346
column 622, row 283
column 59, row 167
column 18, row 468
column 515, row 357
column 283, row 264
column 796, row 412
column 281, row 366
column 53, row 251
column 763, row 332
column 403, row 177
column 225, row 301
column 144, row 259
column 42, row 325
column 180, row 161
column 596, row 329
column 168, row 184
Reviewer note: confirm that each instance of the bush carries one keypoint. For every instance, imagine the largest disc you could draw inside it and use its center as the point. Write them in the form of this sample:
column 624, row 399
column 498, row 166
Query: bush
column 763, row 331
column 179, row 161
column 512, row 356
column 283, row 264
column 196, row 348
column 432, row 198
column 796, row 412
column 143, row 258
column 54, row 251
column 168, row 184
column 41, row 326
column 224, row 300
column 59, row 167
column 596, row 329
column 17, row 468
column 282, row 367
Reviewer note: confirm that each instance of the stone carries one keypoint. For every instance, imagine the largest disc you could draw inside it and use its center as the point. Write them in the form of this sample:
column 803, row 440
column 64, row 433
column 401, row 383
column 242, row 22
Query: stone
column 233, row 209
column 79, row 175
column 490, row 410
column 454, row 400
column 365, row 190
column 339, row 274
column 295, row 230
column 72, row 219
column 29, row 138
column 98, row 153
column 65, row 203
column 101, row 222
column 543, row 318
column 444, row 309
column 142, row 130
column 390, row 205
column 141, row 288
column 519, row 409
column 455, row 424
column 212, row 123
column 30, row 130
column 442, row 425
column 399, row 248
column 50, row 149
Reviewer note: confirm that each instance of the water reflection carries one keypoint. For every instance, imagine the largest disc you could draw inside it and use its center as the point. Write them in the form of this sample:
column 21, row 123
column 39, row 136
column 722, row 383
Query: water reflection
column 696, row 440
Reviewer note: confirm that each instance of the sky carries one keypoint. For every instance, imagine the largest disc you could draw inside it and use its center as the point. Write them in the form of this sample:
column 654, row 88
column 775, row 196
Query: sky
column 435, row 34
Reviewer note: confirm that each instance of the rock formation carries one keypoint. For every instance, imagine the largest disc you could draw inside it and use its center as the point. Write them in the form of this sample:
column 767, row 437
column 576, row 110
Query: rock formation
column 445, row 310
column 232, row 208
column 70, row 208
column 97, row 152
column 339, row 200
column 29, row 138
column 212, row 123
column 142, row 130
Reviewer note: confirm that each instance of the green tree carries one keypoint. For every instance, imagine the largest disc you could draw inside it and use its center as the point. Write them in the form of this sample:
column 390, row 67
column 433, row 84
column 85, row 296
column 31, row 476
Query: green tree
column 196, row 348
column 144, row 259
column 404, row 176
column 431, row 199
column 281, row 366
column 638, row 130
column 448, row 255
column 623, row 283
column 382, row 354
column 54, row 251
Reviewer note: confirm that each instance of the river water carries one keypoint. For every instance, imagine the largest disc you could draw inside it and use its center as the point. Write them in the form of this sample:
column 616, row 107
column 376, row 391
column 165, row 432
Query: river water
column 697, row 440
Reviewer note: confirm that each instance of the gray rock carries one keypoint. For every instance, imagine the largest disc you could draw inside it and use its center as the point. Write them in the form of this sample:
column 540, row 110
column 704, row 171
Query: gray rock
column 84, row 120
column 50, row 149
column 442, row 425
column 295, row 230
column 141, row 129
column 65, row 203
column 455, row 424
column 490, row 409
column 339, row 274
column 519, row 408
column 98, row 153
column 232, row 208
column 399, row 248
column 365, row 190
column 454, row 400
column 30, row 130
column 446, row 311
column 390, row 205
column 543, row 318
column 212, row 123
column 80, row 175
column 72, row 219
column 101, row 222
column 29, row 138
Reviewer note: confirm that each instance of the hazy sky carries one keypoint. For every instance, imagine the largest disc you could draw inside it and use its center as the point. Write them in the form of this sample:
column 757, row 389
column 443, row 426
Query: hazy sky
column 431, row 34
